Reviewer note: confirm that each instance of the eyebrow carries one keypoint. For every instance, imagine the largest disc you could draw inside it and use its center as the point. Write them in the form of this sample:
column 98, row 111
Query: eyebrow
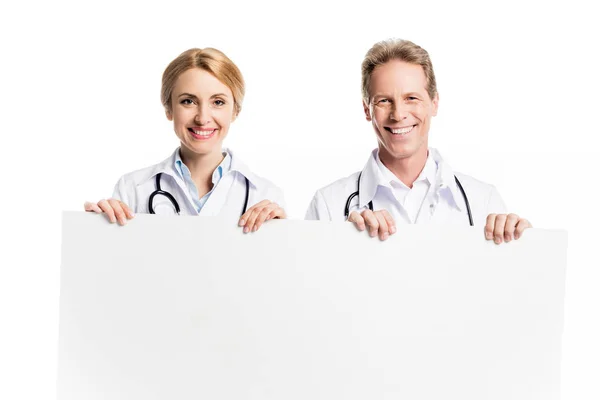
column 194, row 96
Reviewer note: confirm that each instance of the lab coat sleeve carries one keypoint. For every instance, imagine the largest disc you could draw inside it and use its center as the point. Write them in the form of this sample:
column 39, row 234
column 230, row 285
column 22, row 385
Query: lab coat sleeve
column 318, row 210
column 495, row 204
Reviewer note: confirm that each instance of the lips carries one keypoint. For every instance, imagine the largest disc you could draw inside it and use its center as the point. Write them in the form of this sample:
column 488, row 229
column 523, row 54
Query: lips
column 202, row 133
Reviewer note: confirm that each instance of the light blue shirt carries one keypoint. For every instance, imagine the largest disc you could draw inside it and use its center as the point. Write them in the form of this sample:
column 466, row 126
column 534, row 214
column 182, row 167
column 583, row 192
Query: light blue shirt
column 185, row 174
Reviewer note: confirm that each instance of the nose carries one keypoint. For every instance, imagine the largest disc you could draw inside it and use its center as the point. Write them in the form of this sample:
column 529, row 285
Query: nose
column 203, row 114
column 398, row 112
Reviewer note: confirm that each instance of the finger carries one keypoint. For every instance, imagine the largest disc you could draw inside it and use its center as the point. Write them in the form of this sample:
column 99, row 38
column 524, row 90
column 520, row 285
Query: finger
column 128, row 213
column 371, row 222
column 509, row 228
column 383, row 226
column 499, row 228
column 278, row 212
column 489, row 226
column 249, row 211
column 251, row 219
column 118, row 210
column 92, row 207
column 263, row 215
column 390, row 221
column 107, row 209
column 521, row 226
column 358, row 220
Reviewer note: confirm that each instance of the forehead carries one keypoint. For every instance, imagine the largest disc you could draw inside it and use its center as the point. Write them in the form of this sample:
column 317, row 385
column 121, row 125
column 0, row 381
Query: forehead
column 397, row 76
column 200, row 83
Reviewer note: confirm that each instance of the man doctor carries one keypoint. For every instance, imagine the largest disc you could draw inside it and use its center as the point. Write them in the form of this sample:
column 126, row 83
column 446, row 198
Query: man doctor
column 404, row 180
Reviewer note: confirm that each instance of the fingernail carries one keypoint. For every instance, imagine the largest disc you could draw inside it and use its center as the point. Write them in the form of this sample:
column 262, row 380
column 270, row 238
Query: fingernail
column 246, row 229
column 498, row 240
column 516, row 235
column 393, row 229
column 242, row 222
column 385, row 236
column 488, row 236
column 373, row 233
column 507, row 238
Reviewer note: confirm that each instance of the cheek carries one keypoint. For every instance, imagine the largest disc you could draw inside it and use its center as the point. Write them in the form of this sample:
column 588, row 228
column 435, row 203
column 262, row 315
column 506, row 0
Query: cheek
column 224, row 118
column 180, row 116
column 379, row 116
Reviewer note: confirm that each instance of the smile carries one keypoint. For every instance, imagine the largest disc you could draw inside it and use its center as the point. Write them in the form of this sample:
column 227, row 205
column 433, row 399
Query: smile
column 202, row 134
column 400, row 131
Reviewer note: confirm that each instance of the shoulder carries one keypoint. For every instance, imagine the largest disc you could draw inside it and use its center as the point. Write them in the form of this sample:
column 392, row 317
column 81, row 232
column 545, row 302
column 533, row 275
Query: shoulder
column 140, row 176
column 476, row 188
column 264, row 187
column 328, row 202
column 340, row 187
column 129, row 184
column 474, row 184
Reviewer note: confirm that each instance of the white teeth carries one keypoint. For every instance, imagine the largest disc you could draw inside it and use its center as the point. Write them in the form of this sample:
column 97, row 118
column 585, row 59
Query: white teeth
column 402, row 131
column 203, row 133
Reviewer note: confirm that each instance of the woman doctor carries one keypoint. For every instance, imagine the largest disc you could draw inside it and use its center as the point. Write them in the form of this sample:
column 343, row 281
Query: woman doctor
column 404, row 181
column 202, row 92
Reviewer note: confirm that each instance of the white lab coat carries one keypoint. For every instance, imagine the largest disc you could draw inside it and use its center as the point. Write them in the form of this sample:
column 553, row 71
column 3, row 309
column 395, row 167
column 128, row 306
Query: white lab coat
column 443, row 203
column 226, row 200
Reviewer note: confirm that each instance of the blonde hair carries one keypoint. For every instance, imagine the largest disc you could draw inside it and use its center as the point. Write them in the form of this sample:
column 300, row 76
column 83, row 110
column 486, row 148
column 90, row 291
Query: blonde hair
column 397, row 49
column 210, row 60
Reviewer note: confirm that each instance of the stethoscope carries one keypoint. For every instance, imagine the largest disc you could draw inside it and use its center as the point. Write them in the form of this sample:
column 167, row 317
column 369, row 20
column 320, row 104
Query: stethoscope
column 347, row 208
column 174, row 202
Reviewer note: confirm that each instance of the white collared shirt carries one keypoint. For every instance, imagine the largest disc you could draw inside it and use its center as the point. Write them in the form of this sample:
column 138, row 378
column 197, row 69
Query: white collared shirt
column 227, row 197
column 409, row 200
column 443, row 202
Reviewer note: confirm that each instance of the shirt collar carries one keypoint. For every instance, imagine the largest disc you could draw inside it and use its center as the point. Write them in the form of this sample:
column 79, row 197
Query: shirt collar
column 427, row 174
column 436, row 170
column 221, row 169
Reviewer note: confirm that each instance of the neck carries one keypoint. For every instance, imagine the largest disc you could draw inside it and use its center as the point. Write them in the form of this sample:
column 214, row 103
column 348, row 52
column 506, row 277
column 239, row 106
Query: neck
column 406, row 169
column 201, row 166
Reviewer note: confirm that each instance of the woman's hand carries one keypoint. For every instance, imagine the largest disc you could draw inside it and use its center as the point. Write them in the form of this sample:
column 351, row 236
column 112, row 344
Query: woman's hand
column 263, row 211
column 115, row 209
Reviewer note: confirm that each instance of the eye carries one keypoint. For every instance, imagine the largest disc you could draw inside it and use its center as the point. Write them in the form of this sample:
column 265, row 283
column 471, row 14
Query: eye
column 219, row 103
column 186, row 102
column 412, row 98
column 383, row 101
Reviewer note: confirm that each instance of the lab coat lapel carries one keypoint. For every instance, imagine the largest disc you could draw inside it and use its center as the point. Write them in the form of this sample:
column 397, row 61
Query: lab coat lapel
column 229, row 195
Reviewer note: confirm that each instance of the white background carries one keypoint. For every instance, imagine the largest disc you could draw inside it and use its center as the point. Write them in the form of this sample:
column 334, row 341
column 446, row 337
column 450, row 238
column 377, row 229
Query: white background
column 80, row 107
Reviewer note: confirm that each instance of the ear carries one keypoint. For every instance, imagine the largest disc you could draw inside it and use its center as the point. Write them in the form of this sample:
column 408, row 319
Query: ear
column 435, row 101
column 169, row 114
column 367, row 111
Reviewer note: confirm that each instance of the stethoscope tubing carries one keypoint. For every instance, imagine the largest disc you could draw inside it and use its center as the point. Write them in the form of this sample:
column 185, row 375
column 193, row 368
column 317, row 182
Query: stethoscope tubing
column 171, row 198
column 354, row 194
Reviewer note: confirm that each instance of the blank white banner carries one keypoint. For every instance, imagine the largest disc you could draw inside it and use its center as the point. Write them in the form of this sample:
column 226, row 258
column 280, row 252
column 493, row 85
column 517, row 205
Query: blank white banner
column 192, row 308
